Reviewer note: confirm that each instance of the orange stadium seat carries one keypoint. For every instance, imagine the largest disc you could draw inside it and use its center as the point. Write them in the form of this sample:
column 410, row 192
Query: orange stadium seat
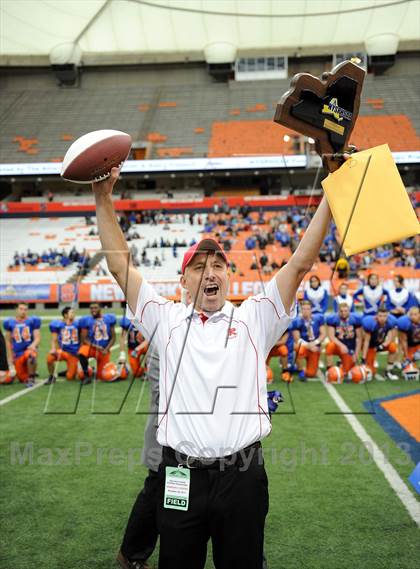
column 156, row 137
column 235, row 138
column 174, row 152
column 396, row 130
column 256, row 108
column 248, row 137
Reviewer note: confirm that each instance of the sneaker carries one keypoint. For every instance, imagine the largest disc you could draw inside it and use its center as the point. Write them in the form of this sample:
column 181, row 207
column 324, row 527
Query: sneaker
column 86, row 380
column 391, row 376
column 379, row 377
column 29, row 383
column 50, row 380
column 302, row 375
column 126, row 564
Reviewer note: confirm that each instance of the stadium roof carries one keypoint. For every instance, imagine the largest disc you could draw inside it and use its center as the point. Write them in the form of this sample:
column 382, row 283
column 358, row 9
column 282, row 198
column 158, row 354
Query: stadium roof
column 35, row 32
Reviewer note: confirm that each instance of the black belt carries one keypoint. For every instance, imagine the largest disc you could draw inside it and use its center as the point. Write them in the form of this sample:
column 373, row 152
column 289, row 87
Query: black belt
column 210, row 463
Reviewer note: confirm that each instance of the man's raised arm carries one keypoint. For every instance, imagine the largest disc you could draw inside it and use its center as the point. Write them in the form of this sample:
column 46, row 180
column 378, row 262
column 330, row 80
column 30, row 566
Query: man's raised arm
column 290, row 276
column 113, row 242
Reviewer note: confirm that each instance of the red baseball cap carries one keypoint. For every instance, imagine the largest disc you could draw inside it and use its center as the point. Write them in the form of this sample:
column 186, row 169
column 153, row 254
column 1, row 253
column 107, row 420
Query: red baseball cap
column 203, row 246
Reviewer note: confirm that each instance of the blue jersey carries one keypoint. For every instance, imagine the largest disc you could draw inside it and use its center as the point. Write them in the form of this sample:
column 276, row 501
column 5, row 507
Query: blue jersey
column 133, row 334
column 378, row 333
column 309, row 330
column 99, row 329
column 411, row 329
column 22, row 332
column 345, row 330
column 318, row 298
column 68, row 335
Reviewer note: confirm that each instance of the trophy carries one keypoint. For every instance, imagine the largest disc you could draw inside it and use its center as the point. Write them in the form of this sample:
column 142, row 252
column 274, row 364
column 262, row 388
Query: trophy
column 325, row 109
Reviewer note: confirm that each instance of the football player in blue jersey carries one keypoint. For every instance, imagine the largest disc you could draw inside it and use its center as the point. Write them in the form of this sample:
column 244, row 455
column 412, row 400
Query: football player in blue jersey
column 97, row 338
column 23, row 336
column 371, row 294
column 409, row 334
column 65, row 344
column 308, row 332
column 345, row 335
column 398, row 299
column 317, row 296
column 137, row 347
column 380, row 332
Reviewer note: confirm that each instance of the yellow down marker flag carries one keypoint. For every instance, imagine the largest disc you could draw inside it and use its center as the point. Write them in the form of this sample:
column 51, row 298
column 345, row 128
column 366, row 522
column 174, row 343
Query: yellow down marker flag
column 369, row 202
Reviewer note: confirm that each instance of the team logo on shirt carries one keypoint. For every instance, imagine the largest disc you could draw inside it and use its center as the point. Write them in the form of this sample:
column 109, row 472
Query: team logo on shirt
column 232, row 333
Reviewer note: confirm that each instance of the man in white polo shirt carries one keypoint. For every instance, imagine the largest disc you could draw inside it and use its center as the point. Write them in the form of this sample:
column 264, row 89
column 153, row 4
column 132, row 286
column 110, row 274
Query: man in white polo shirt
column 213, row 400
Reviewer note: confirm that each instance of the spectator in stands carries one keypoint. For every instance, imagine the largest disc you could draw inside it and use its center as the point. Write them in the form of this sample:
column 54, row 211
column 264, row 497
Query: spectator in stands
column 262, row 240
column 398, row 299
column 156, row 262
column 367, row 260
column 263, row 260
column 227, row 244
column 283, row 237
column 250, row 243
column 275, row 266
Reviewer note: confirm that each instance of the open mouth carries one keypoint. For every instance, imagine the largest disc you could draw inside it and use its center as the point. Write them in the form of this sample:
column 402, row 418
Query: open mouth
column 211, row 290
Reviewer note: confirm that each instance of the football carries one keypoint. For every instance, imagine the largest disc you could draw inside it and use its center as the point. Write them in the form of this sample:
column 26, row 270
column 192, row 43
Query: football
column 92, row 156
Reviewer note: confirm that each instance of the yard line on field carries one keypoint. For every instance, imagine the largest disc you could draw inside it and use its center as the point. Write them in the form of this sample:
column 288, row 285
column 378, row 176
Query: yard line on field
column 394, row 479
column 20, row 393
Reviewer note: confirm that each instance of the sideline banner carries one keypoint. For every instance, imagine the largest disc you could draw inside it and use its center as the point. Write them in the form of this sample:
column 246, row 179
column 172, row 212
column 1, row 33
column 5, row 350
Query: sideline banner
column 106, row 290
column 28, row 293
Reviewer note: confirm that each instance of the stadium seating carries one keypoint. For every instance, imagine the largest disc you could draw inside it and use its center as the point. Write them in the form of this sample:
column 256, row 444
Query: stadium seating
column 190, row 120
column 39, row 235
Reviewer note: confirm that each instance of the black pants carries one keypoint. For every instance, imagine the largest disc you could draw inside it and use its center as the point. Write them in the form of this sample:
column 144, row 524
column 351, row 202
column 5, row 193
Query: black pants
column 227, row 506
column 141, row 532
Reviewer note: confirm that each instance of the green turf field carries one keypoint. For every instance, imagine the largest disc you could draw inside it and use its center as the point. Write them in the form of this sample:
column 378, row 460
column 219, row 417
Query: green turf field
column 65, row 502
